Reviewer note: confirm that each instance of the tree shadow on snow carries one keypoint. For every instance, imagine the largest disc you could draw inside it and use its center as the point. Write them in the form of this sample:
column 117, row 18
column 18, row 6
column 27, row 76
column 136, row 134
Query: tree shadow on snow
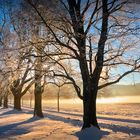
column 125, row 129
column 14, row 111
column 15, row 128
column 91, row 133
column 62, row 112
column 83, row 134
column 113, row 126
column 120, row 120
column 99, row 117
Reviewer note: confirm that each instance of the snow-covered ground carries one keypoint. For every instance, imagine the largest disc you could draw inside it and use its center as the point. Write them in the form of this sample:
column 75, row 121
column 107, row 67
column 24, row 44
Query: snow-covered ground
column 117, row 122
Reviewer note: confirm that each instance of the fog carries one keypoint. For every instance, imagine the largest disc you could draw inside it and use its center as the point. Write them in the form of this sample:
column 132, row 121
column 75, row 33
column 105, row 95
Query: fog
column 119, row 99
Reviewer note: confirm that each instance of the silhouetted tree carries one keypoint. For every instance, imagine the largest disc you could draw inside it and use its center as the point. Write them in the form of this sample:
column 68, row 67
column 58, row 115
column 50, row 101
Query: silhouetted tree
column 87, row 30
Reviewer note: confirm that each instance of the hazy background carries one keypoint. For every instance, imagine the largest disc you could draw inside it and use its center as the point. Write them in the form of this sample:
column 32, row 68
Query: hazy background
column 112, row 94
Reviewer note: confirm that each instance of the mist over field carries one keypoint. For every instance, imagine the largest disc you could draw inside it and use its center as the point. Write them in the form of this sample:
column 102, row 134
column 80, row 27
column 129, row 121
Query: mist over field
column 110, row 95
column 125, row 90
column 114, row 94
column 68, row 92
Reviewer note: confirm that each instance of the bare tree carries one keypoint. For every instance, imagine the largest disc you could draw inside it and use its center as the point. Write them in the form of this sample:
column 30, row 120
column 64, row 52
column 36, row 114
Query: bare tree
column 4, row 88
column 92, row 27
column 39, row 83
column 19, row 89
column 40, row 40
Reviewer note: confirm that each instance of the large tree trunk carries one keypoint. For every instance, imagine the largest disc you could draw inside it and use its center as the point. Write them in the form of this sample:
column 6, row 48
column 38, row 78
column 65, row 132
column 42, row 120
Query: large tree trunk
column 0, row 101
column 89, row 116
column 5, row 102
column 38, row 102
column 17, row 102
column 38, row 87
column 86, row 114
column 89, row 107
column 93, row 118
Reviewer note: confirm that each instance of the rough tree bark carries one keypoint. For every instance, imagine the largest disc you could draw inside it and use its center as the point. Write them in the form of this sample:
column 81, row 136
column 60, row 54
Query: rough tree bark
column 38, row 101
column 90, row 80
column 0, row 101
column 5, row 101
column 17, row 102
column 38, row 87
column 16, row 93
column 89, row 106
column 89, row 103
column 17, row 90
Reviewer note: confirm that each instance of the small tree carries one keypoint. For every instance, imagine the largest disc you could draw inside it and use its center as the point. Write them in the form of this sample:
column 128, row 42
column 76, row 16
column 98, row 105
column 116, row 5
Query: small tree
column 20, row 86
column 39, row 87
column 5, row 102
